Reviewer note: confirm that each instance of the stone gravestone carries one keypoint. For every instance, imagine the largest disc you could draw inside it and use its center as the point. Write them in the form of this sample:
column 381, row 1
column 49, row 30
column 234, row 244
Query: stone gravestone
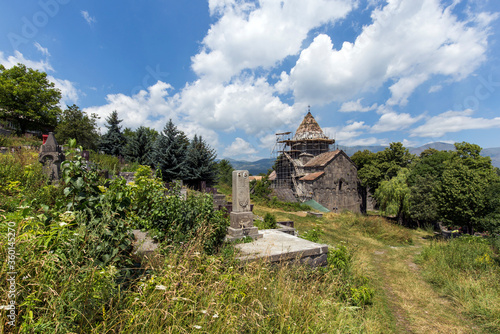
column 51, row 157
column 241, row 217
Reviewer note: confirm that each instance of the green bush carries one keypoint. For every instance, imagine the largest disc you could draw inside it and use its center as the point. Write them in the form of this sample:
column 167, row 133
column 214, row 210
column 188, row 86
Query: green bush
column 362, row 295
column 173, row 219
column 106, row 162
column 339, row 258
column 270, row 221
column 312, row 235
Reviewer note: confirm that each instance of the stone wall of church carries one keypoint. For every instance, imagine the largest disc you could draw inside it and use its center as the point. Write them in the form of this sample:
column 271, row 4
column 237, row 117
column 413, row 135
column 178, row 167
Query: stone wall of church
column 338, row 188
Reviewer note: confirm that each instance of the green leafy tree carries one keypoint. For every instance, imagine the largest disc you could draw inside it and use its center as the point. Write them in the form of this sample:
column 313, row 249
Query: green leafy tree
column 466, row 193
column 74, row 123
column 461, row 195
column 169, row 153
column 393, row 195
column 113, row 141
column 376, row 167
column 139, row 147
column 225, row 172
column 200, row 162
column 28, row 99
column 362, row 158
column 423, row 204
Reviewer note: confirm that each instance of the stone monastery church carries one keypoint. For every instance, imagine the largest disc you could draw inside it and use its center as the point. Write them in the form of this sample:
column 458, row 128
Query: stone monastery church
column 307, row 169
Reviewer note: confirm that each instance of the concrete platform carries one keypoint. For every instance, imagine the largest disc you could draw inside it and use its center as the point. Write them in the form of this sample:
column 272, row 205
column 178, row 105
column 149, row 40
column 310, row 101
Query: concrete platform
column 276, row 246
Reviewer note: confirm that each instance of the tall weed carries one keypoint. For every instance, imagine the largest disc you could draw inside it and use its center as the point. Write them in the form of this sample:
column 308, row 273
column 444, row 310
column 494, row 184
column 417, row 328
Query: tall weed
column 467, row 269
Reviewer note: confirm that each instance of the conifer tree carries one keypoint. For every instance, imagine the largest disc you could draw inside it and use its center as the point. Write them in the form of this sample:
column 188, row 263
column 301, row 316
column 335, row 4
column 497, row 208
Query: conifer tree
column 112, row 142
column 169, row 153
column 200, row 162
column 140, row 144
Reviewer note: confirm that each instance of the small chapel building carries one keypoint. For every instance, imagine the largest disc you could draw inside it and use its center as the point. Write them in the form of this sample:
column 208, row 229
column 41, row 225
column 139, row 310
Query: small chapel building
column 307, row 169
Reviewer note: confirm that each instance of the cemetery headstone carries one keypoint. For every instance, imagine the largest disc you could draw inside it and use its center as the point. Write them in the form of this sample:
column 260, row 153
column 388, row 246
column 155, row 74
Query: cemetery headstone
column 51, row 157
column 241, row 216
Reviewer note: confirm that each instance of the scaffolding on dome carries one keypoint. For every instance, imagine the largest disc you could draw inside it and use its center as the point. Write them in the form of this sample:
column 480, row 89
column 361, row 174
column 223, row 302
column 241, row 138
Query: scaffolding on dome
column 292, row 153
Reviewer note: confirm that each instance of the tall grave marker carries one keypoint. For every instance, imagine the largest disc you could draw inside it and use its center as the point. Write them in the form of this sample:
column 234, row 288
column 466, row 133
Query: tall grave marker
column 241, row 217
column 51, row 157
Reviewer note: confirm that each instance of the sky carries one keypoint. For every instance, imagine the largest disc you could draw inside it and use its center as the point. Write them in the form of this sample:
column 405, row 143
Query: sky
column 237, row 72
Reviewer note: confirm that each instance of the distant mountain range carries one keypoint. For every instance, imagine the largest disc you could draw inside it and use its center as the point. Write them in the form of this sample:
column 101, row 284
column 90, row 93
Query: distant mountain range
column 263, row 165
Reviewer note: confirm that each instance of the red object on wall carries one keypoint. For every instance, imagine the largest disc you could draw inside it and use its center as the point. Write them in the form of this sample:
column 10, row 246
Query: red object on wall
column 45, row 138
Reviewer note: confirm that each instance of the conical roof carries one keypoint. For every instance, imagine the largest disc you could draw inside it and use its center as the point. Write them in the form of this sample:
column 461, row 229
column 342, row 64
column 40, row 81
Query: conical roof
column 309, row 129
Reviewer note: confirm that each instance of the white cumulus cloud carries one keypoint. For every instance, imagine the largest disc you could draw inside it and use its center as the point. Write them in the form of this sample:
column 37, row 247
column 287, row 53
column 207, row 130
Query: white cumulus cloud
column 453, row 121
column 392, row 121
column 151, row 108
column 352, row 106
column 249, row 35
column 239, row 147
column 407, row 43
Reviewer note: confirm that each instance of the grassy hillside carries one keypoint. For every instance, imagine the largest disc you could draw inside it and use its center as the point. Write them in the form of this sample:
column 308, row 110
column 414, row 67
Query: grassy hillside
column 380, row 278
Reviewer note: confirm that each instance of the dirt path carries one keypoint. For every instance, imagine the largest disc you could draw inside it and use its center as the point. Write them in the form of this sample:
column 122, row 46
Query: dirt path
column 416, row 307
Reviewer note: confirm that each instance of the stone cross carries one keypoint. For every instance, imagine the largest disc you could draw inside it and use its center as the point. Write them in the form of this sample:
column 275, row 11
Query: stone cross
column 241, row 217
column 51, row 157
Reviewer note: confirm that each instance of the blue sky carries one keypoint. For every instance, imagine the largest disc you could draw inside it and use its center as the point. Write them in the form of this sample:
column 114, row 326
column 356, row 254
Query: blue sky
column 237, row 72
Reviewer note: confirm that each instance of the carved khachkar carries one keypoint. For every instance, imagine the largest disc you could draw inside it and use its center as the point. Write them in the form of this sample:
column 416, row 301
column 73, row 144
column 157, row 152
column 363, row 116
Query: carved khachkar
column 241, row 216
column 51, row 157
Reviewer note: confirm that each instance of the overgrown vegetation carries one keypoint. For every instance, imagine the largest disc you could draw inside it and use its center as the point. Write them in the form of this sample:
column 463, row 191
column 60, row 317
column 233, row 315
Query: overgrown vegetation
column 467, row 270
column 73, row 257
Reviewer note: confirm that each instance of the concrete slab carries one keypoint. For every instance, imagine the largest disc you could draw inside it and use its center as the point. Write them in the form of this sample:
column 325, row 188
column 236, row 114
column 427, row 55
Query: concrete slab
column 276, row 246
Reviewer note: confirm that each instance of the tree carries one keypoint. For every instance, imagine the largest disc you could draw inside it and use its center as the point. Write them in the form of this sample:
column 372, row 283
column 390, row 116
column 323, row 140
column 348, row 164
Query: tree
column 169, row 153
column 74, row 123
column 461, row 195
column 28, row 99
column 112, row 142
column 200, row 162
column 373, row 168
column 362, row 158
column 467, row 191
column 393, row 195
column 424, row 179
column 139, row 147
column 225, row 172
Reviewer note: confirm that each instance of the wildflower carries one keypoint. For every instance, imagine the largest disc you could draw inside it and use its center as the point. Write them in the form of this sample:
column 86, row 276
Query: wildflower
column 62, row 224
column 161, row 287
column 204, row 311
column 265, row 288
column 215, row 315
column 197, row 327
